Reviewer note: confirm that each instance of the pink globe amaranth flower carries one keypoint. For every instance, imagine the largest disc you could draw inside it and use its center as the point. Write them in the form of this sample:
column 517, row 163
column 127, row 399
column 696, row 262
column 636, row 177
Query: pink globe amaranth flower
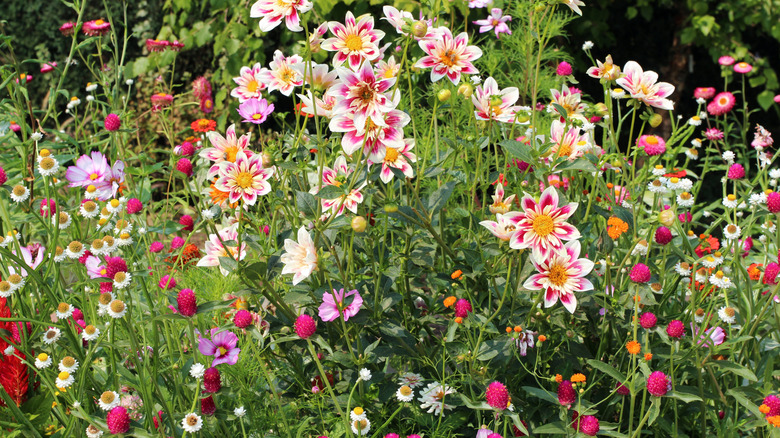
column 623, row 389
column 177, row 243
column 564, row 69
column 640, row 273
column 777, row 98
column 207, row 405
column 222, row 345
column 114, row 265
column 187, row 222
column 773, row 202
column 462, row 308
column 305, row 326
column 566, row 394
column 497, row 396
column 658, row 384
column 48, row 208
column 212, row 381
column 112, row 122
column 704, row 93
column 167, row 282
column 3, row 176
column 118, row 420
column 184, row 165
column 392, row 435
column 156, row 247
column 663, row 235
column 134, row 206
column 492, row 435
column 330, row 310
column 186, row 302
column 77, row 314
column 589, row 425
column 743, row 67
column 68, row 28
column 736, row 171
column 722, row 103
column 773, row 403
column 242, row 318
column 448, row 56
column 726, row 60
column 651, row 144
column 685, row 217
column 255, row 110
column 770, row 273
column 648, row 320
column 675, row 329
column 185, row 149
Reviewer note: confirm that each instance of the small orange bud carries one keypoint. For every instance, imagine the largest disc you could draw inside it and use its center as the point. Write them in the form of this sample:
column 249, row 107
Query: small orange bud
column 518, row 329
column 459, row 320
column 648, row 357
column 610, row 185
column 542, row 338
column 558, row 378
column 509, row 329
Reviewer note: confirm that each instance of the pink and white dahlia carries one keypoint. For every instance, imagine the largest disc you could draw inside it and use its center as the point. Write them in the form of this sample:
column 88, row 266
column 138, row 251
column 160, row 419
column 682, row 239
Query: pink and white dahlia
column 560, row 274
column 387, row 69
column 337, row 176
column 373, row 138
column 353, row 41
column 574, row 5
column 273, row 11
column 398, row 158
column 504, row 226
column 299, row 258
column 250, row 83
column 542, row 225
column 364, row 95
column 491, row 103
column 215, row 248
column 644, row 86
column 324, row 104
column 315, row 39
column 571, row 101
column 244, row 179
column 89, row 170
column 567, row 143
column 448, row 56
column 225, row 148
column 284, row 73
column 606, row 70
column 400, row 19
column 495, row 22
column 501, row 205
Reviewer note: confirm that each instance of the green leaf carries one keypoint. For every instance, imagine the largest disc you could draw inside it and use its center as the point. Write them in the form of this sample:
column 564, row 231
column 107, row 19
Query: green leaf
column 228, row 263
column 518, row 149
column 608, row 369
column 330, row 192
column 737, row 369
column 475, row 405
column 557, row 428
column 655, row 409
column 739, row 395
column 578, row 164
column 440, row 197
column 766, row 99
column 685, row 394
column 540, row 394
column 306, row 203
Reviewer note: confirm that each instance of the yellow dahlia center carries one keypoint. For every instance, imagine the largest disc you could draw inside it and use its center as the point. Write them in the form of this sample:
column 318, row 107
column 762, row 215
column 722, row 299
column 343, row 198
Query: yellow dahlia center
column 244, row 180
column 564, row 150
column 543, row 225
column 449, row 59
column 230, row 154
column 391, row 154
column 353, row 43
column 389, row 73
column 252, row 86
column 558, row 275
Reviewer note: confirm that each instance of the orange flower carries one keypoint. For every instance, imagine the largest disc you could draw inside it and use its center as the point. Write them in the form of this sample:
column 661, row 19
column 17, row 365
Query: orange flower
column 541, row 338
column 764, row 409
column 518, row 329
column 218, row 197
column 203, row 125
column 578, row 378
column 457, row 274
column 459, row 320
column 633, row 347
column 774, row 420
column 616, row 227
column 509, row 329
column 648, row 357
column 754, row 271
column 558, row 378
column 449, row 301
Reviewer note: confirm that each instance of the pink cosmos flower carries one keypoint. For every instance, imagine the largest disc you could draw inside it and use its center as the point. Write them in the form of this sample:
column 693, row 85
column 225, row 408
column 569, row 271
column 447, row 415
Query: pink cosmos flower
column 504, row 226
column 89, row 170
column 222, row 345
column 725, row 60
column 567, row 143
column 743, row 67
column 225, row 148
column 490, row 103
column 560, row 273
column 299, row 258
column 398, row 159
column 607, row 70
column 273, row 11
column 333, row 305
column 542, row 226
column 643, row 85
column 245, row 179
column 32, row 255
column 364, row 95
column 721, row 104
column 448, row 56
column 112, row 181
column 255, row 111
column 284, row 73
column 353, row 41
column 336, row 177
column 501, row 205
column 250, row 83
column 215, row 249
column 711, row 337
column 495, row 22
column 94, row 268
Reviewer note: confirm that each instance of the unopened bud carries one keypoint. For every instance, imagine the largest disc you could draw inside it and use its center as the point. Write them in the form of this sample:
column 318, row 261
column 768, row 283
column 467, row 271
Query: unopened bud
column 420, row 28
column 359, row 224
column 444, row 95
column 655, row 120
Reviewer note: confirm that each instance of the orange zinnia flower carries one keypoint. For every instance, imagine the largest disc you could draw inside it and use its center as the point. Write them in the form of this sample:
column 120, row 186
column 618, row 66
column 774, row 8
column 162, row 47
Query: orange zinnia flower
column 203, row 125
column 616, row 227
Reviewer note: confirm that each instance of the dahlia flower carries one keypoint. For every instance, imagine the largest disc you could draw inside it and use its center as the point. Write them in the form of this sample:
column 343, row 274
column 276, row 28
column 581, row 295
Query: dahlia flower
column 644, row 86
column 504, row 225
column 362, row 95
column 606, row 70
column 448, row 56
column 273, row 11
column 283, row 74
column 225, row 148
column 561, row 273
column 490, row 103
column 354, row 41
column 398, row 158
column 542, row 225
column 567, row 143
column 215, row 249
column 250, row 83
column 245, row 179
column 299, row 258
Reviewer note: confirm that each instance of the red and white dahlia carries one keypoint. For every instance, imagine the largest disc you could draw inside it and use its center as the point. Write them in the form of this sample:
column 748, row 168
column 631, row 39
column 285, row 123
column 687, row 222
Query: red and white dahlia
column 491, row 103
column 644, row 86
column 284, row 73
column 373, row 138
column 364, row 95
column 561, row 274
column 398, row 158
column 449, row 56
column 225, row 148
column 353, row 41
column 273, row 11
column 542, row 225
column 249, row 82
column 244, row 179
column 215, row 249
column 337, row 176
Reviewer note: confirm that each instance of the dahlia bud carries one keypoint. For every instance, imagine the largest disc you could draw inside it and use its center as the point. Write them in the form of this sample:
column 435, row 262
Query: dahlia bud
column 359, row 224
column 444, row 95
column 465, row 90
column 655, row 120
column 420, row 28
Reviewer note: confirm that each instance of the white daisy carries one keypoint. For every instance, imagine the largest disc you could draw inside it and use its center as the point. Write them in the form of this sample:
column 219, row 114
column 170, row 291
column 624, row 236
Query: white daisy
column 108, row 400
column 357, row 414
column 239, row 411
column 404, row 394
column 48, row 166
column 364, row 375
column 720, row 280
column 197, row 370
column 698, row 315
column 727, row 315
column 94, row 432
column 192, row 422
column 69, row 364
column 587, row 45
column 731, row 232
column 685, row 199
column 124, row 240
column 91, row 87
column 117, row 309
column 692, row 154
column 75, row 250
column 42, row 361
column 361, row 427
column 757, row 199
column 728, row 156
column 122, row 280
column 36, row 136
column 769, row 226
column 432, row 398
column 89, row 209
column 694, row 121
column 19, row 193
column 657, row 186
column 51, row 335
column 64, row 380
column 122, row 226
column 774, row 173
column 696, row 142
column 730, row 201
column 658, row 170
column 90, row 333
column 640, row 248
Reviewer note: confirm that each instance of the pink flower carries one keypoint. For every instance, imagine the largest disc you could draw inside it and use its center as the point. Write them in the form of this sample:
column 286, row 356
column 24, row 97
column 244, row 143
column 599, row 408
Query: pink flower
column 167, row 282
column 273, row 11
column 663, row 235
column 675, row 329
column 255, row 111
column 32, row 255
column 561, row 273
column 713, row 134
column 96, row 27
column 567, row 143
column 354, row 41
column 68, row 28
column 215, row 249
column 704, row 93
column 89, row 170
column 501, row 205
column 762, row 138
column 736, row 171
column 504, row 225
column 491, row 103
column 283, row 74
column 333, row 305
column 462, row 308
column 448, row 56
column 250, row 83
column 566, row 394
column 643, row 85
column 648, row 320
column 305, row 326
column 651, row 144
column 225, row 148
column 362, row 95
column 48, row 208
column 721, row 104
column 542, row 226
column 725, row 60
column 118, row 420
column 212, row 381
column 336, row 177
column 743, row 67
column 564, row 69
column 186, row 302
column 497, row 396
column 398, row 159
column 571, row 101
column 640, row 273
column 658, row 384
column 495, row 22
column 221, row 345
column 606, row 70
column 48, row 66
column 246, row 179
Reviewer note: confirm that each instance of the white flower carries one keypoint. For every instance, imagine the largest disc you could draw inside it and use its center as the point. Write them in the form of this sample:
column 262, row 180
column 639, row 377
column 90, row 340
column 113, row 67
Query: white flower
column 108, row 400
column 9, row 350
column 658, row 170
column 618, row 93
column 36, row 136
column 600, row 267
column 239, row 411
column 117, row 309
column 90, row 333
column 476, row 80
column 728, row 156
column 19, row 193
column 412, row 380
column 711, row 261
column 692, row 154
column 587, row 45
column 129, row 82
column 685, row 199
column 42, row 361
column 732, row 232
column 207, row 214
column 192, row 422
column 94, row 432
column 68, row 364
column 727, row 315
column 774, row 173
column 299, row 258
column 720, row 280
column 361, row 427
column 64, row 311
column 364, row 375
column 730, row 201
column 404, row 394
column 696, row 142
column 694, row 121
column 91, row 87
column 683, row 269
column 51, row 335
column 197, row 370
column 357, row 414
column 433, row 398
column 701, row 101
column 757, row 199
column 122, row 280
column 640, row 248
column 63, row 220
column 64, row 380
column 657, row 186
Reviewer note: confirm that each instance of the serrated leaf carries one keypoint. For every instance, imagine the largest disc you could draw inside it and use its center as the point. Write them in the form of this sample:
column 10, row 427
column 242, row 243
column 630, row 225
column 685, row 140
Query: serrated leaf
column 306, row 203
column 518, row 149
column 330, row 192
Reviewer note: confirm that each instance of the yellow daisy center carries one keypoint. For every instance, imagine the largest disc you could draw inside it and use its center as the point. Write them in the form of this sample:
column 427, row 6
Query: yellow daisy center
column 543, row 225
column 63, row 375
column 353, row 43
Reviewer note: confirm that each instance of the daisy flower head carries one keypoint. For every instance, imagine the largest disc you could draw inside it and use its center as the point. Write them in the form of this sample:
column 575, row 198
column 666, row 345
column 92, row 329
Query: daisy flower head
column 722, row 103
column 491, row 103
column 448, row 56
column 404, row 393
column 90, row 333
column 42, row 361
column 411, row 380
column 354, row 41
column 651, row 144
column 398, row 158
column 333, row 305
column 108, row 400
column 116, row 309
column 727, row 315
column 704, row 92
column 495, row 22
column 19, row 193
column 249, row 83
column 373, row 138
column 299, row 258
column 255, row 111
column 273, row 11
column 560, row 273
column 192, row 422
column 432, row 398
column 644, row 86
column 283, row 74
column 542, row 225
column 64, row 380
